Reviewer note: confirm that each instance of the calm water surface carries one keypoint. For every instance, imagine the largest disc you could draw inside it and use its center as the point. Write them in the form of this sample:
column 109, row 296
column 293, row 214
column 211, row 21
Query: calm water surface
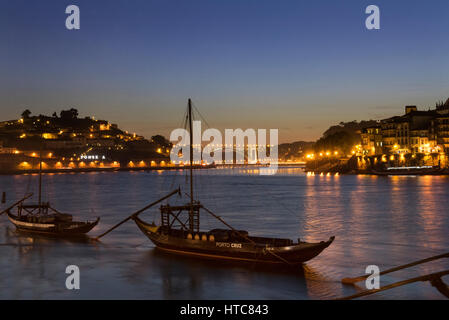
column 376, row 220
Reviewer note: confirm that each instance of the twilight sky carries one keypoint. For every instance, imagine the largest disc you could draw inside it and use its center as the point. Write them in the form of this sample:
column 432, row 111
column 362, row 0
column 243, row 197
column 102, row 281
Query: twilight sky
column 298, row 66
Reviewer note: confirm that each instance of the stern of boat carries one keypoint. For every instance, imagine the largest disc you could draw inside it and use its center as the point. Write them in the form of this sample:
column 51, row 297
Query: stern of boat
column 303, row 251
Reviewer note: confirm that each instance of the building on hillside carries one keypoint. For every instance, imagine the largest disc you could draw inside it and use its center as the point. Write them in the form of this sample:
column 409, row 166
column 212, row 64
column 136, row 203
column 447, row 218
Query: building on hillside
column 65, row 144
column 414, row 132
column 440, row 127
column 372, row 140
column 99, row 142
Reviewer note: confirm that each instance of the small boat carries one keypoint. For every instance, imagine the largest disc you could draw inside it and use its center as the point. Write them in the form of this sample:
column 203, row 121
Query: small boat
column 185, row 238
column 43, row 219
column 409, row 171
column 38, row 219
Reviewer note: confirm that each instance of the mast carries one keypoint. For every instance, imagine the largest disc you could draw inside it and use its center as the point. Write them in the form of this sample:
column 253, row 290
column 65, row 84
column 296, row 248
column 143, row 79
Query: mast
column 40, row 176
column 191, row 154
column 192, row 207
column 194, row 211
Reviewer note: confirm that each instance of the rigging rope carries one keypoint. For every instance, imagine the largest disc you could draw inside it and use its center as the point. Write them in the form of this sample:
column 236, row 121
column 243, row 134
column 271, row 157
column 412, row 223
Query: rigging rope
column 27, row 190
column 175, row 176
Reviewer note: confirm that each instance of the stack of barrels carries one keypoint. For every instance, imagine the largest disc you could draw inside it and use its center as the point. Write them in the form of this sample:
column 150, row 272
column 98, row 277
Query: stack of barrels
column 203, row 237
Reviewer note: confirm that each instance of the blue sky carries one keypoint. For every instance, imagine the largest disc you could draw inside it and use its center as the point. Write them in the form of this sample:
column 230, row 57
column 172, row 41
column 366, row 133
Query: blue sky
column 299, row 66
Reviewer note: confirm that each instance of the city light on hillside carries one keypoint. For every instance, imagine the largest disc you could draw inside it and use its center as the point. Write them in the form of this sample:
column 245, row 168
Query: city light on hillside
column 310, row 156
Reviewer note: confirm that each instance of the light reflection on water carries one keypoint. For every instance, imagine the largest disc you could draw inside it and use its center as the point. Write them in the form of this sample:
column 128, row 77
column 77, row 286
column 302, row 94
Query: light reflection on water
column 385, row 221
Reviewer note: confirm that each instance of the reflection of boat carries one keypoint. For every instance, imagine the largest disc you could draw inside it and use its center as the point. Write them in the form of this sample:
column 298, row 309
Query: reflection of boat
column 41, row 218
column 228, row 244
column 423, row 170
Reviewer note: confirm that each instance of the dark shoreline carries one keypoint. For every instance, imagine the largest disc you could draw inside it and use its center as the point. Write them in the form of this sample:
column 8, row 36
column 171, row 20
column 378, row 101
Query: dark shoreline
column 120, row 169
column 105, row 169
column 382, row 174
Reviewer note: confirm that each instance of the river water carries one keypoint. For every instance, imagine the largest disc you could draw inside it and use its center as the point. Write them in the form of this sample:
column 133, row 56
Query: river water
column 383, row 221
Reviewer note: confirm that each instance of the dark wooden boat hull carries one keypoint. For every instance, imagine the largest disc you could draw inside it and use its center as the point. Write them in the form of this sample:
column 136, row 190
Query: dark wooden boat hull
column 65, row 229
column 295, row 254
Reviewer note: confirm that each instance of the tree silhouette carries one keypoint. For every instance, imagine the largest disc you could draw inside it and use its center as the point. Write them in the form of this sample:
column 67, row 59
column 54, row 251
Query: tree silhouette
column 69, row 114
column 161, row 141
column 26, row 114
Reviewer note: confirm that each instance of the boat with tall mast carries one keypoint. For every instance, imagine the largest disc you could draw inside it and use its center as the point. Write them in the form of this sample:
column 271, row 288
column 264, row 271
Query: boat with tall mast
column 185, row 238
column 42, row 218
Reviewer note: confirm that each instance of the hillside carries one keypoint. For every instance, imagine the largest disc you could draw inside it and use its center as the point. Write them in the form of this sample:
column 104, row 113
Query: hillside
column 69, row 135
